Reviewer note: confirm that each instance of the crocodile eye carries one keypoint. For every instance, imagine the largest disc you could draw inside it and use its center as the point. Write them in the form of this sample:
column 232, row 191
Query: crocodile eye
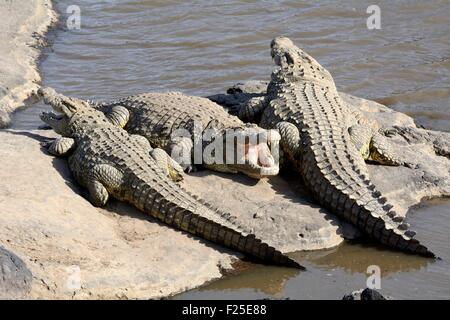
column 289, row 58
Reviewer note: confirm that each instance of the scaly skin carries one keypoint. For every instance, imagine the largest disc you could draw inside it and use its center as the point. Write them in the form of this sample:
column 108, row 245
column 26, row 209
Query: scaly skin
column 157, row 116
column 440, row 141
column 243, row 99
column 110, row 162
column 327, row 144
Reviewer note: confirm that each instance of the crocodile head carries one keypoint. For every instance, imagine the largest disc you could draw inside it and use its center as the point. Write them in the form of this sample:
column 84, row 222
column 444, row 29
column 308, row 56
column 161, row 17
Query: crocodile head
column 246, row 150
column 71, row 115
column 296, row 64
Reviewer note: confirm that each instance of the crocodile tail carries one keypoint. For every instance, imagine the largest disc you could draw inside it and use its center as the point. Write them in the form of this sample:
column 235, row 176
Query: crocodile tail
column 350, row 194
column 252, row 245
column 217, row 227
column 230, row 237
column 375, row 217
column 387, row 227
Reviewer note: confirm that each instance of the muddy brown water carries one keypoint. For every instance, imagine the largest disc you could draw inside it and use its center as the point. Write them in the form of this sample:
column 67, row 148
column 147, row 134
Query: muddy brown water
column 201, row 47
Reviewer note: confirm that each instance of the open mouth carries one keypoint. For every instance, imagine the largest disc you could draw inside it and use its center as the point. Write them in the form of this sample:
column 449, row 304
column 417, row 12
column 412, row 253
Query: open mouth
column 260, row 162
column 258, row 154
column 48, row 115
column 54, row 120
column 259, row 159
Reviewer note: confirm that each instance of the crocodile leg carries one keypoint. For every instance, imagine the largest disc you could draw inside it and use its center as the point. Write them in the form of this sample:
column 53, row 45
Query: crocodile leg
column 98, row 193
column 251, row 110
column 382, row 151
column 118, row 116
column 172, row 167
column 361, row 136
column 374, row 146
column 142, row 141
column 60, row 146
column 101, row 178
column 180, row 149
column 289, row 142
column 164, row 161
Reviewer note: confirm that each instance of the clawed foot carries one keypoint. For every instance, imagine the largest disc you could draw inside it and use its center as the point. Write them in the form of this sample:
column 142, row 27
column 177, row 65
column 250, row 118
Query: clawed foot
column 390, row 132
column 58, row 147
column 47, row 143
column 233, row 109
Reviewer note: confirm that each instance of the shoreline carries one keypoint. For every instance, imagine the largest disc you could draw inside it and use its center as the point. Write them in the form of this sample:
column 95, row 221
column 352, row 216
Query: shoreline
column 48, row 223
column 25, row 25
column 64, row 232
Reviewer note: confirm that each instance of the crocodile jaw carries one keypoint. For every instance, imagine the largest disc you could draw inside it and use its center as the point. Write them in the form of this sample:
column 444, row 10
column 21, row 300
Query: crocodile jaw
column 259, row 162
column 55, row 121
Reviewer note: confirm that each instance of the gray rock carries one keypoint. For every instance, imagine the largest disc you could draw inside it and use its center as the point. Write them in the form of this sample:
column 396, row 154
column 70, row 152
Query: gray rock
column 5, row 119
column 15, row 278
column 366, row 294
column 252, row 87
column 438, row 139
column 276, row 208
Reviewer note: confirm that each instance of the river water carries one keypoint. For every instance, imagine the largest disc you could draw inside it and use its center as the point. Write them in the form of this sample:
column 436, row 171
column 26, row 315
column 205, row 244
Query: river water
column 201, row 47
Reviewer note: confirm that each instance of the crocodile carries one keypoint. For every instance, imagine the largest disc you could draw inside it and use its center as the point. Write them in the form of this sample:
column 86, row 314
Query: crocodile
column 237, row 99
column 108, row 161
column 327, row 143
column 183, row 125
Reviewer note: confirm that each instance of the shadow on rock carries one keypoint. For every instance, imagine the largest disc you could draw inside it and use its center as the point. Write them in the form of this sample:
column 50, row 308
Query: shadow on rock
column 59, row 163
column 238, row 178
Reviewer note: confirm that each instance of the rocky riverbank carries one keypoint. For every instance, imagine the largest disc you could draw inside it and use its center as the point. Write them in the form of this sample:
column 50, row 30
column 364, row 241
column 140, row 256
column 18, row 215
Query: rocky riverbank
column 74, row 250
column 23, row 25
column 55, row 244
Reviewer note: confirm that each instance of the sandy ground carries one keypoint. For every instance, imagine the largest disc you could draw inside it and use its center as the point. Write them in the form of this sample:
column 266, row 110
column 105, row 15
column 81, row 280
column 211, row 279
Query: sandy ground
column 23, row 25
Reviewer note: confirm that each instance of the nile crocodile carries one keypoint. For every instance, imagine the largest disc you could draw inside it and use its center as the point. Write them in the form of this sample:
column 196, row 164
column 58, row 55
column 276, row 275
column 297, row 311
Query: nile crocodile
column 181, row 125
column 238, row 98
column 108, row 161
column 327, row 143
